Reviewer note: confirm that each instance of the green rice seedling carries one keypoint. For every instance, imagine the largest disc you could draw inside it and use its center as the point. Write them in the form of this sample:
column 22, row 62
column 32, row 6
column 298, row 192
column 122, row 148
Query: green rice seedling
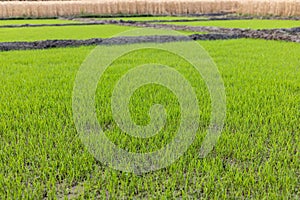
column 151, row 18
column 36, row 21
column 66, row 32
column 250, row 24
column 257, row 155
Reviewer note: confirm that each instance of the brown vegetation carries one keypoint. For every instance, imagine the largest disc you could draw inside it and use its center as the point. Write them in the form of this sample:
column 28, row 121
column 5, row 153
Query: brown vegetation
column 153, row 7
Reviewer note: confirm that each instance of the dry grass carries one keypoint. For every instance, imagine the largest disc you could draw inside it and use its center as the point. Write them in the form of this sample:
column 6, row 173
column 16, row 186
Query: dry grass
column 270, row 7
column 154, row 7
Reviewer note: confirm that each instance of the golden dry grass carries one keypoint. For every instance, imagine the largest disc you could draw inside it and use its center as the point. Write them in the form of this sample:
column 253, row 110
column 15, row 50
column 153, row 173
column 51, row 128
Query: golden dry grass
column 154, row 7
column 270, row 7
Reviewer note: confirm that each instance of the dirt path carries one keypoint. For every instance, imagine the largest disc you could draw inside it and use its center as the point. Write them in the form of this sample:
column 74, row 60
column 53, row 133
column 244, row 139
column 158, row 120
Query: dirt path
column 47, row 44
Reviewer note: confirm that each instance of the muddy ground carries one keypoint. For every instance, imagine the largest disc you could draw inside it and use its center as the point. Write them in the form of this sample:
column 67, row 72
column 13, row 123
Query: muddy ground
column 213, row 33
column 292, row 34
column 47, row 44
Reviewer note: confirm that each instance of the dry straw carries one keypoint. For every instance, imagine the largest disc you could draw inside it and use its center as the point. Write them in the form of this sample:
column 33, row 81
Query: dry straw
column 154, row 7
column 270, row 7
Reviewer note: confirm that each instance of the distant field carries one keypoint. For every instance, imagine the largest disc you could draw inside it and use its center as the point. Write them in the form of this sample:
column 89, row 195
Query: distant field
column 32, row 21
column 252, row 24
column 66, row 32
column 150, row 18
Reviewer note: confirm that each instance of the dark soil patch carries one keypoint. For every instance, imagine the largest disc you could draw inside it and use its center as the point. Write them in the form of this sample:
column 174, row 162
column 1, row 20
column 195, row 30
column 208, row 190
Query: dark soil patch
column 47, row 44
column 292, row 34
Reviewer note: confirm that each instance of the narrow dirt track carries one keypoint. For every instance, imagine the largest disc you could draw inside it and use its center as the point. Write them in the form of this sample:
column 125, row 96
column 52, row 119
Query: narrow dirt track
column 47, row 44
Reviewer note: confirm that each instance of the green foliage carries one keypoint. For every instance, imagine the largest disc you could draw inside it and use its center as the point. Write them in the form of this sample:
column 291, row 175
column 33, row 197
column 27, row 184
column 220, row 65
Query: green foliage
column 256, row 157
column 251, row 24
column 65, row 32
column 35, row 21
column 151, row 18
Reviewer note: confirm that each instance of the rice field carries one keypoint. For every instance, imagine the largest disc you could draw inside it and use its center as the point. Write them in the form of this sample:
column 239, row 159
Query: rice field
column 250, row 24
column 41, row 21
column 151, row 18
column 256, row 157
column 66, row 32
